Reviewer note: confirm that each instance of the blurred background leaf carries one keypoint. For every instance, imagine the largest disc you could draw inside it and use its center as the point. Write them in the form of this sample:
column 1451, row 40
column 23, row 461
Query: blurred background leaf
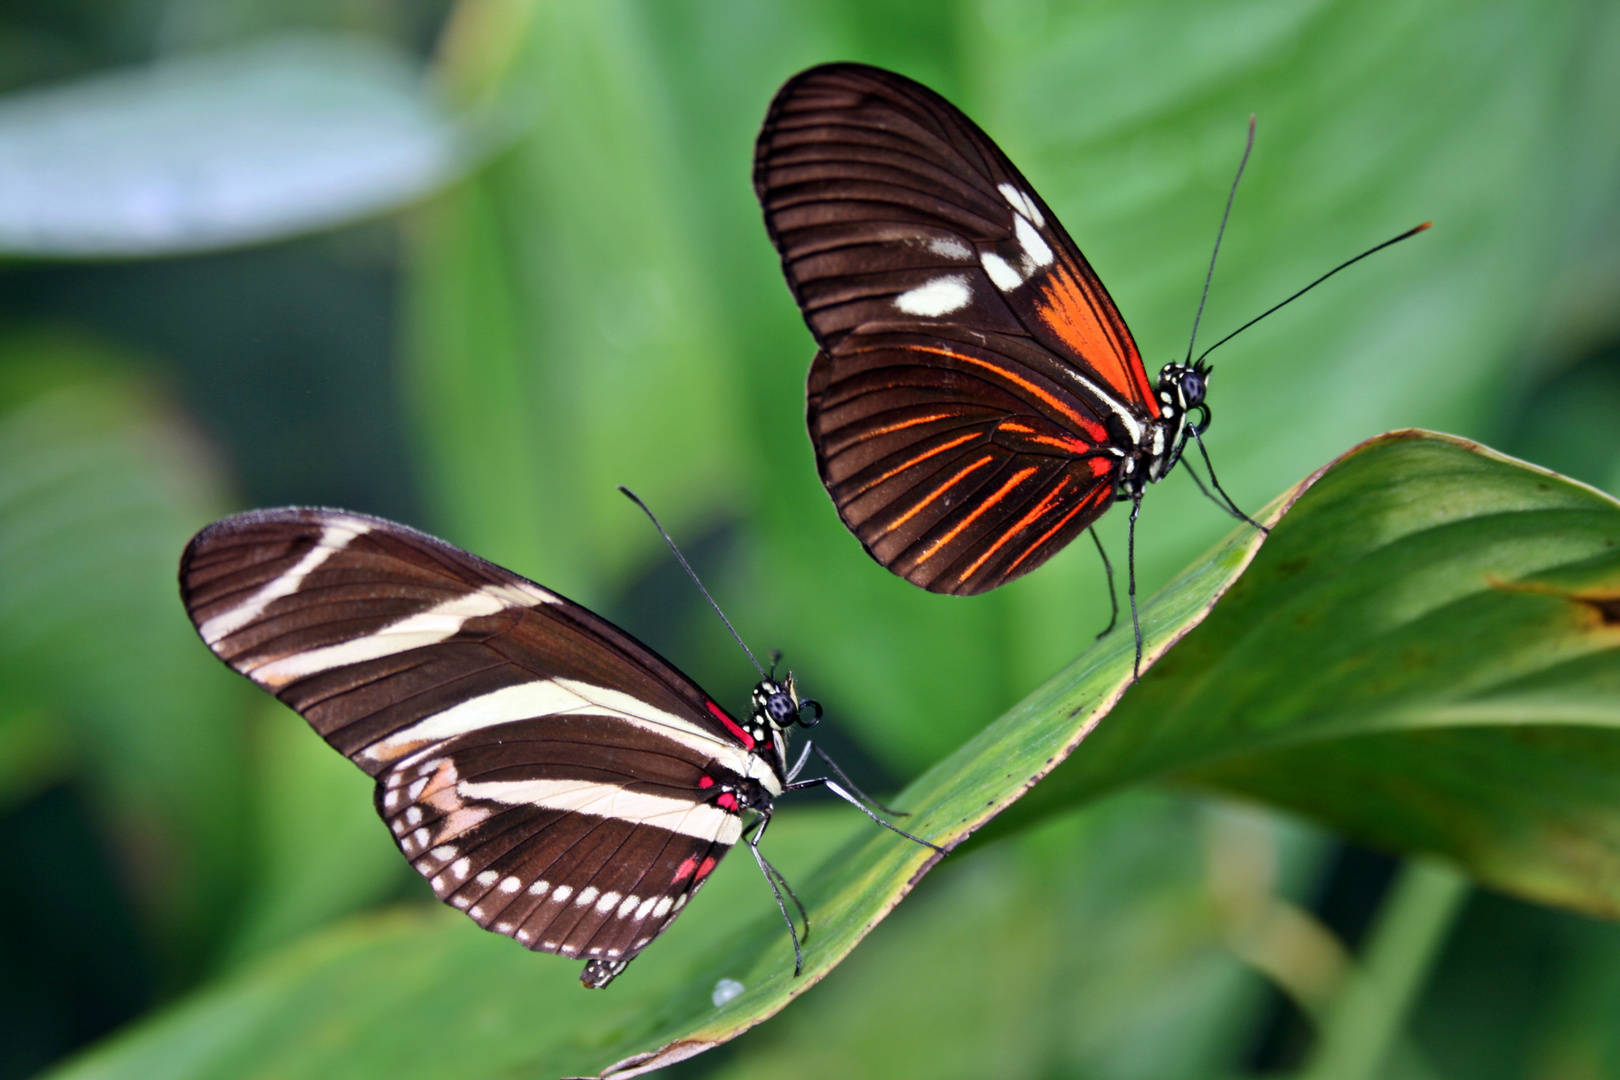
column 598, row 304
column 214, row 151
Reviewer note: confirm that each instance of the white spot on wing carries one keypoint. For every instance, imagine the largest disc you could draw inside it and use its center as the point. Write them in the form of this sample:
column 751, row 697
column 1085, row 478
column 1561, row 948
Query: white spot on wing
column 503, row 928
column 950, row 247
column 1003, row 275
column 444, row 853
column 1022, row 203
column 460, row 867
column 938, row 297
column 586, row 895
column 539, row 888
column 413, row 816
column 421, row 836
column 391, row 800
column 609, row 901
column 524, row 936
column 476, row 912
column 336, row 536
column 1031, row 241
column 510, row 885
column 487, row 878
column 664, row 904
column 646, row 906
column 461, row 901
column 561, row 893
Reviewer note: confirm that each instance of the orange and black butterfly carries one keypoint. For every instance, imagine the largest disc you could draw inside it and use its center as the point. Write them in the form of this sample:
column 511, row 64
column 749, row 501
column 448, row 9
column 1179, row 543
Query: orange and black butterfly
column 977, row 400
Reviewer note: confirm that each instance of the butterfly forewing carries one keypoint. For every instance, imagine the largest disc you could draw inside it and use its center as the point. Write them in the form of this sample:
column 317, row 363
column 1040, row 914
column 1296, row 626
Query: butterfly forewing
column 973, row 371
column 548, row 774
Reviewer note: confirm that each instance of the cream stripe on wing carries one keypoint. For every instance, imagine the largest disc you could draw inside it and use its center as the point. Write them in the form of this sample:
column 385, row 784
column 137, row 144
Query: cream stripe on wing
column 701, row 820
column 334, row 538
column 561, row 697
column 429, row 627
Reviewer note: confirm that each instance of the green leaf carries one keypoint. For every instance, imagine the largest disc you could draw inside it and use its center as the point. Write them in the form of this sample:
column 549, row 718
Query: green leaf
column 205, row 152
column 1076, row 950
column 666, row 1009
column 1427, row 656
column 1417, row 585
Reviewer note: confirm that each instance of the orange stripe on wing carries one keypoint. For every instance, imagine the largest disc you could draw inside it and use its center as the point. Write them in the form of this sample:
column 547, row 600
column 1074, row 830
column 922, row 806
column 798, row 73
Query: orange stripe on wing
column 1049, row 533
column 1072, row 445
column 1071, row 312
column 1084, row 423
column 1069, row 443
column 924, row 456
column 942, row 489
column 1042, row 507
column 903, row 424
column 1017, row 478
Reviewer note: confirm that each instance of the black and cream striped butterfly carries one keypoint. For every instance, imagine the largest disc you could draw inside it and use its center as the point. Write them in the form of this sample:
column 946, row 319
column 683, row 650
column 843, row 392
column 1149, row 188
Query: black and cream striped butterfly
column 548, row 774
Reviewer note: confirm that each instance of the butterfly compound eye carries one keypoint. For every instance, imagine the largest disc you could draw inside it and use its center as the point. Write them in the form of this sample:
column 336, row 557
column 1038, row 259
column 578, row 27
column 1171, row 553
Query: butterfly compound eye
column 1192, row 388
column 780, row 708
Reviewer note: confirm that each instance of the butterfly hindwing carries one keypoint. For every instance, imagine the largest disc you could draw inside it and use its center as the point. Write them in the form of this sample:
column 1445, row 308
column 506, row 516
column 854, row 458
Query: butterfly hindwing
column 541, row 768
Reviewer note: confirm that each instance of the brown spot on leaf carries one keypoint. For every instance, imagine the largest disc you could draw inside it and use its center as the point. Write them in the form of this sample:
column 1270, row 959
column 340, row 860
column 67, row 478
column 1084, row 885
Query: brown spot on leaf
column 1603, row 602
column 1608, row 608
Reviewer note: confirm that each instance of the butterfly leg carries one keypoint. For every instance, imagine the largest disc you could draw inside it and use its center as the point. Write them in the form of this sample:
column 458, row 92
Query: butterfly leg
column 850, row 784
column 772, row 877
column 832, row 786
column 803, row 914
column 1230, row 506
column 1130, row 559
column 1113, row 597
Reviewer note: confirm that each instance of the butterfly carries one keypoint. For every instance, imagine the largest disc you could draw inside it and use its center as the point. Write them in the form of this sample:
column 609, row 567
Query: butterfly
column 977, row 400
column 549, row 775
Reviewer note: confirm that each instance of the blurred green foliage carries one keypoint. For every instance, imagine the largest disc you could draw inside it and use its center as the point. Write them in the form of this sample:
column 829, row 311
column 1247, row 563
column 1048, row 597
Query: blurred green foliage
column 597, row 304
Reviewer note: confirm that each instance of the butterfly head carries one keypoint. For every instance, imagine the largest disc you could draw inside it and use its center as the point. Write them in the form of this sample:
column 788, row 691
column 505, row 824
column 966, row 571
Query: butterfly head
column 777, row 705
column 1182, row 388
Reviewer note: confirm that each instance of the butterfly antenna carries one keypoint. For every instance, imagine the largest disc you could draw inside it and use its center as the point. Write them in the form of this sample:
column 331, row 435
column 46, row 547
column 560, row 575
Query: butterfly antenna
column 693, row 574
column 1227, row 213
column 1348, row 262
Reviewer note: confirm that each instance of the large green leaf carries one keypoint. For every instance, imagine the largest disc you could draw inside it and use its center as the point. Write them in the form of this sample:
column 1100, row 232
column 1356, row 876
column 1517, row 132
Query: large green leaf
column 1429, row 659
column 1453, row 570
